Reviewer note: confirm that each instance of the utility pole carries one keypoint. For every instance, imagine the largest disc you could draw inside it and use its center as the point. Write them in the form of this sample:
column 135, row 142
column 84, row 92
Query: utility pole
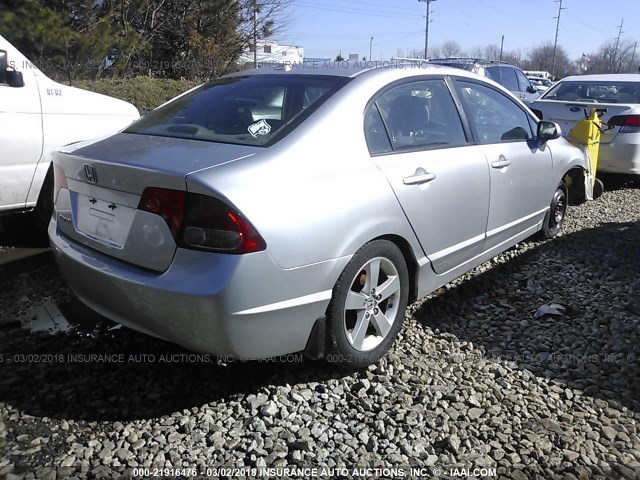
column 370, row 47
column 555, row 44
column 501, row 47
column 426, row 29
column 615, row 51
column 255, row 33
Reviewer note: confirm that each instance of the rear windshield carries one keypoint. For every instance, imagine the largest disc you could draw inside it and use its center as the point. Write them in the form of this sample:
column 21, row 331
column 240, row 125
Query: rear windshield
column 595, row 92
column 248, row 110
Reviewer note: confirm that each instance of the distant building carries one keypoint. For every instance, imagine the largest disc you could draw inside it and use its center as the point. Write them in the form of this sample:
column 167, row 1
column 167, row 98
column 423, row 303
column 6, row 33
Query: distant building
column 354, row 57
column 272, row 53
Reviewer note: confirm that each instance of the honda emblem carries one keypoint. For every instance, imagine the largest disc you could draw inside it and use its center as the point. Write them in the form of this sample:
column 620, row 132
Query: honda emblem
column 90, row 172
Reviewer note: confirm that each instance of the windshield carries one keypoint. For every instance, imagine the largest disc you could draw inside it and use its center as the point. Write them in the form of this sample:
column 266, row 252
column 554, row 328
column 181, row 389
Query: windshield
column 250, row 110
column 595, row 92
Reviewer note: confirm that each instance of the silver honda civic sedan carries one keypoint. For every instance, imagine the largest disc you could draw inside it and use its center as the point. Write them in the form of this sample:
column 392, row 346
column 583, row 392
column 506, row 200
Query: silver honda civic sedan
column 278, row 211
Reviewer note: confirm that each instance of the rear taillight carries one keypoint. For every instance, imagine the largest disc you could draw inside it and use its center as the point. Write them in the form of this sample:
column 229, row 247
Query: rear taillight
column 201, row 222
column 169, row 204
column 627, row 123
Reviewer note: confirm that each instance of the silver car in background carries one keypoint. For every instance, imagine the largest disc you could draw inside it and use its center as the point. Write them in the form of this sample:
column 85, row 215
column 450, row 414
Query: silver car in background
column 619, row 96
column 271, row 212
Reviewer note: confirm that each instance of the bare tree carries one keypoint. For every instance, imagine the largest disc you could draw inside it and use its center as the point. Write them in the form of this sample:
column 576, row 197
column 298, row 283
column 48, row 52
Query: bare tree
column 477, row 52
column 451, row 48
column 608, row 59
column 492, row 52
column 541, row 58
column 260, row 19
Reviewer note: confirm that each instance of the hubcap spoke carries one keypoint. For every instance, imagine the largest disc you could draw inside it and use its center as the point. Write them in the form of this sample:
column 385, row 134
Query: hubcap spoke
column 359, row 330
column 388, row 288
column 373, row 273
column 381, row 323
column 355, row 301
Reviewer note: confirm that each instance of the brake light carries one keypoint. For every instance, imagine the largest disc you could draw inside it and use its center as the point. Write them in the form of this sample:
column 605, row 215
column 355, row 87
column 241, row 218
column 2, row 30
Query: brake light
column 169, row 204
column 200, row 222
column 627, row 123
column 212, row 225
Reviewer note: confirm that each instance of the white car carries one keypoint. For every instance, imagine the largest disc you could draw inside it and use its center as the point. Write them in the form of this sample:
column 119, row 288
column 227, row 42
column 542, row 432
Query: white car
column 37, row 117
column 541, row 84
column 619, row 96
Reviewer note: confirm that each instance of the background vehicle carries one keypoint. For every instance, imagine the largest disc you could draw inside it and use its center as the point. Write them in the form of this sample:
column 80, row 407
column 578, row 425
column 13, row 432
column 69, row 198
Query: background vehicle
column 510, row 77
column 566, row 102
column 270, row 212
column 540, row 84
column 37, row 116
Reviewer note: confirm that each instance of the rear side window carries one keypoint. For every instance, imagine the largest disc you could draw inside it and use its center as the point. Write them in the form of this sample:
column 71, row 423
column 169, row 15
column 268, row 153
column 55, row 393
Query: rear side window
column 595, row 92
column 375, row 133
column 493, row 73
column 251, row 110
column 420, row 114
column 494, row 117
column 509, row 80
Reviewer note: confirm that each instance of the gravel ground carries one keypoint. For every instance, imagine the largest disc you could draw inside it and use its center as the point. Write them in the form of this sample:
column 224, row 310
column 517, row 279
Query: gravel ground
column 474, row 379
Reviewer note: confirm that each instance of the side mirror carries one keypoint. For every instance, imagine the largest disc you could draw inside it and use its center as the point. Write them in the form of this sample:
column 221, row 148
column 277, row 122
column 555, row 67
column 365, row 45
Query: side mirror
column 3, row 66
column 15, row 79
column 548, row 130
column 531, row 89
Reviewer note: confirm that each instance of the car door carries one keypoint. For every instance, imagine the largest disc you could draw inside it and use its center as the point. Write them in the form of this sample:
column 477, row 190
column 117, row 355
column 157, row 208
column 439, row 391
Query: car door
column 520, row 167
column 525, row 88
column 416, row 137
column 20, row 137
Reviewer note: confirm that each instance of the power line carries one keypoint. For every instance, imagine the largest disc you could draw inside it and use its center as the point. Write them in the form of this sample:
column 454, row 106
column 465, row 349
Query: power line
column 555, row 44
column 426, row 29
column 351, row 10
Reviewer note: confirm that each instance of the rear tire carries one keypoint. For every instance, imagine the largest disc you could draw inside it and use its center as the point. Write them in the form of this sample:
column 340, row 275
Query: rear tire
column 557, row 211
column 368, row 305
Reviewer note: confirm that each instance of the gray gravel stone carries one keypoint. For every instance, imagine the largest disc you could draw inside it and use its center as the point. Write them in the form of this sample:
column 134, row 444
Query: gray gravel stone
column 473, row 378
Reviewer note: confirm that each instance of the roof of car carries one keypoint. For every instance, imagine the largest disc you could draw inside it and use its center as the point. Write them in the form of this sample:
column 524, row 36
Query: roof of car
column 482, row 61
column 605, row 77
column 338, row 68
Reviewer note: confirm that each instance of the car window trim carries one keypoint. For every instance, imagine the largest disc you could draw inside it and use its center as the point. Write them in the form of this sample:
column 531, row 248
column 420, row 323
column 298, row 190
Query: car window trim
column 473, row 129
column 418, row 148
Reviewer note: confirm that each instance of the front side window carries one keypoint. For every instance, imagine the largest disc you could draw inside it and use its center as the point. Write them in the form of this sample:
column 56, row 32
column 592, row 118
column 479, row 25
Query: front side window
column 421, row 114
column 493, row 116
column 251, row 110
column 523, row 81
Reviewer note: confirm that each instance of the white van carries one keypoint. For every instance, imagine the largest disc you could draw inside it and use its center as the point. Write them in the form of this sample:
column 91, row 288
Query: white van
column 38, row 116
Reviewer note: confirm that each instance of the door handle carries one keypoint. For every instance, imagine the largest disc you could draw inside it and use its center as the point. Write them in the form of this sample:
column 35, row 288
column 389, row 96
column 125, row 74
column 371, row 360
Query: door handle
column 419, row 178
column 501, row 163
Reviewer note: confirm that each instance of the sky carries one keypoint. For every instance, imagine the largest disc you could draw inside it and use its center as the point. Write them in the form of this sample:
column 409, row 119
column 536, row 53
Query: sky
column 326, row 27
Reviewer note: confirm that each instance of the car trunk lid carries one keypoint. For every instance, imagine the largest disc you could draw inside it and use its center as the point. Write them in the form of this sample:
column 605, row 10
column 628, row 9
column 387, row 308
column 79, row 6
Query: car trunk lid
column 99, row 187
column 568, row 114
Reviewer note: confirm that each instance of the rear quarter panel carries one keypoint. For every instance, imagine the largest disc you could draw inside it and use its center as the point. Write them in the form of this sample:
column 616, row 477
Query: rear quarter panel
column 315, row 195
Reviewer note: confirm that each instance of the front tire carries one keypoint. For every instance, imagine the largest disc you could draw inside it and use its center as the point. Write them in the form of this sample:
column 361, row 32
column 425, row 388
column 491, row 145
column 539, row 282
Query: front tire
column 557, row 211
column 368, row 305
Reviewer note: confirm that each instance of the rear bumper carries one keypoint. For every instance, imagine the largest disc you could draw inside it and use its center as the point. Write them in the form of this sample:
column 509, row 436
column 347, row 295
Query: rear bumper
column 244, row 306
column 619, row 157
